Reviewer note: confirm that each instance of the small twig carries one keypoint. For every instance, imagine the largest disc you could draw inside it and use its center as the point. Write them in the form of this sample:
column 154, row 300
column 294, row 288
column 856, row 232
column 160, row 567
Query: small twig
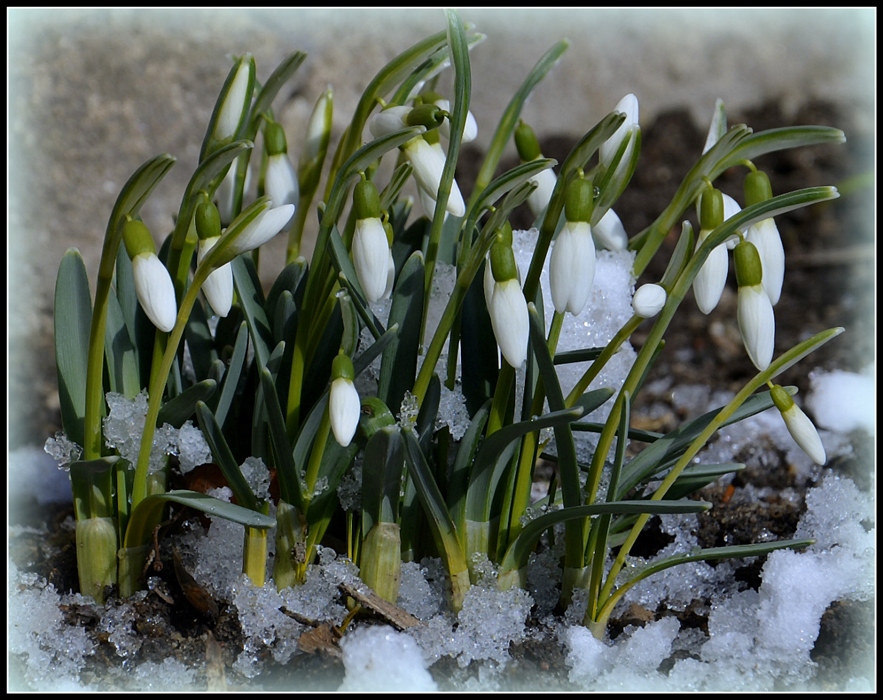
column 393, row 614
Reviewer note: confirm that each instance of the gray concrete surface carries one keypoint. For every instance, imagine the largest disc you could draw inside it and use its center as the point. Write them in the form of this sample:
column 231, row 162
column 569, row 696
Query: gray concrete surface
column 92, row 94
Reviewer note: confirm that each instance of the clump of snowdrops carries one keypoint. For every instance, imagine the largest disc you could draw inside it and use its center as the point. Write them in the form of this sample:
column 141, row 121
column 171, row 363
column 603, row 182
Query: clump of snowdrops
column 269, row 383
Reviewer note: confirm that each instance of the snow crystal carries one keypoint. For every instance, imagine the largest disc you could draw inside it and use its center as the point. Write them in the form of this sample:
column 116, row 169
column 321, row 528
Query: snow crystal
column 257, row 476
column 170, row 675
column 124, row 425
column 844, row 401
column 421, row 588
column 378, row 658
column 62, row 450
column 192, row 449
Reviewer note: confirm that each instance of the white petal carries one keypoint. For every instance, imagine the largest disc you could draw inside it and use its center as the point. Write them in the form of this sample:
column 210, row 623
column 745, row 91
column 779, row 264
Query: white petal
column 262, row 228
column 218, row 286
column 155, row 291
column 470, row 126
column 428, row 203
column 765, row 237
column 388, row 121
column 805, row 434
column 280, row 181
column 344, row 407
column 712, row 277
column 731, row 208
column 610, row 233
column 648, row 300
column 390, row 277
column 489, row 283
column 538, row 200
column 224, row 193
column 572, row 267
column 629, row 105
column 428, row 163
column 510, row 321
column 371, row 257
column 757, row 324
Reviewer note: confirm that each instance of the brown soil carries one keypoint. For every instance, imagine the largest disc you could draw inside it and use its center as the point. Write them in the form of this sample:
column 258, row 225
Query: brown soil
column 829, row 282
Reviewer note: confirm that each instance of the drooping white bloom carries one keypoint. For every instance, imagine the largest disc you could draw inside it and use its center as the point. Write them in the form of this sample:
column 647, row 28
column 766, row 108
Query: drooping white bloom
column 765, row 237
column 648, row 300
column 712, row 276
column 280, row 182
column 509, row 320
column 388, row 121
column 572, row 267
column 757, row 324
column 218, row 286
column 371, row 255
column 799, row 425
column 610, row 233
column 470, row 126
column 428, row 162
column 155, row 290
column 262, row 228
column 538, row 200
column 628, row 105
column 344, row 407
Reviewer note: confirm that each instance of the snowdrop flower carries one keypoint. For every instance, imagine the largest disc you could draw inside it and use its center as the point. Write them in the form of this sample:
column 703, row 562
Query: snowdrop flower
column 370, row 248
column 153, row 284
column 388, row 121
column 344, row 405
column 232, row 108
column 280, row 178
column 428, row 163
column 731, row 208
column 765, row 236
column 799, row 425
column 708, row 286
column 261, row 228
column 505, row 300
column 626, row 130
column 218, row 286
column 649, row 300
column 316, row 143
column 572, row 262
column 529, row 149
column 470, row 126
column 226, row 192
column 757, row 324
column 610, row 233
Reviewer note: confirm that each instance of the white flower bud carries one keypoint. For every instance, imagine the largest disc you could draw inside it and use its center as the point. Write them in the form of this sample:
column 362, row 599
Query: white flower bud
column 344, row 407
column 280, row 182
column 765, row 237
column 610, row 233
column 236, row 101
column 218, row 286
column 224, row 193
column 628, row 105
column 648, row 300
column 757, row 324
column 538, row 200
column 712, row 277
column 572, row 267
column 388, row 121
column 428, row 163
column 155, row 290
column 262, row 228
column 805, row 434
column 470, row 126
column 371, row 257
column 509, row 320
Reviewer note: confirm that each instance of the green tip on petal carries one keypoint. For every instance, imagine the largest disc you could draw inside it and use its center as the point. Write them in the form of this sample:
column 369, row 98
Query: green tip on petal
column 342, row 367
column 781, row 398
column 366, row 200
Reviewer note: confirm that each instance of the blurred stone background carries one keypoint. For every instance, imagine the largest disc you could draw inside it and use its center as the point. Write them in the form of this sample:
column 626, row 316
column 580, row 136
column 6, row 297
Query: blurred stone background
column 92, row 94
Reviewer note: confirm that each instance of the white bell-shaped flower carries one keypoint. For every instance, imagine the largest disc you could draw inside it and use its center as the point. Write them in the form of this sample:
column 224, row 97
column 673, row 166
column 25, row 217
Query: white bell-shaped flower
column 538, row 199
column 371, row 257
column 800, row 426
column 757, row 323
column 610, row 233
column 262, row 228
column 628, row 105
column 572, row 267
column 509, row 320
column 709, row 283
column 218, row 286
column 155, row 290
column 765, row 237
column 649, row 300
column 388, row 121
column 470, row 127
column 428, row 162
column 344, row 405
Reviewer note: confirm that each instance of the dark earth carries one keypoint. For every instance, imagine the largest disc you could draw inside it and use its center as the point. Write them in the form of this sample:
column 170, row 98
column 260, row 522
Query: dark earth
column 829, row 282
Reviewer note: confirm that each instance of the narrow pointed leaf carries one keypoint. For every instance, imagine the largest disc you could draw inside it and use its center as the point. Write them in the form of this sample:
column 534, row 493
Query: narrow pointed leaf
column 224, row 458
